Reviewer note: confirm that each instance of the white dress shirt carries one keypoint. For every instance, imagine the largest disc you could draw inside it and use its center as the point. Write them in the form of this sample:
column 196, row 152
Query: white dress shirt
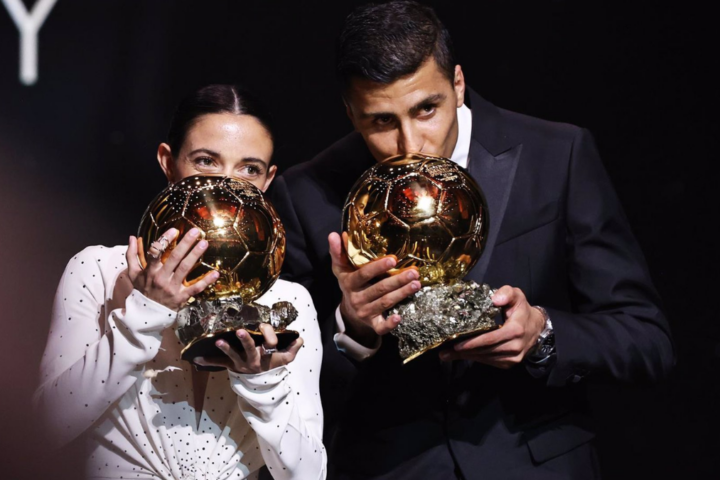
column 112, row 372
column 460, row 156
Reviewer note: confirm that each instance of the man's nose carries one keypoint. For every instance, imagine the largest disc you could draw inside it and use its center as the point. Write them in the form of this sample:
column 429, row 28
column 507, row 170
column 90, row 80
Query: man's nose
column 409, row 140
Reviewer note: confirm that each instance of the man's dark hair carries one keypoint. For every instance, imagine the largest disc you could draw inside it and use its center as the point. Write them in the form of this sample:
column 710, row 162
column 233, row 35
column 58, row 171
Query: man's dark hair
column 384, row 42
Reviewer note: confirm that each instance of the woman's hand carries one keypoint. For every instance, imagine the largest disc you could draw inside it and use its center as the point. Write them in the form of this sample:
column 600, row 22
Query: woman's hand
column 252, row 359
column 163, row 282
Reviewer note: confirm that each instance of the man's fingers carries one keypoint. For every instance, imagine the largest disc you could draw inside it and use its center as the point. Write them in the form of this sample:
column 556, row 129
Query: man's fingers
column 496, row 337
column 383, row 325
column 500, row 360
column 507, row 295
column 386, row 302
column 390, row 285
column 337, row 253
column 363, row 275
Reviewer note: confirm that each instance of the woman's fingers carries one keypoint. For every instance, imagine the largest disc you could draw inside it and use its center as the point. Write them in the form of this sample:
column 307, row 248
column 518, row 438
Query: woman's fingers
column 232, row 354
column 181, row 249
column 270, row 340
column 288, row 355
column 202, row 283
column 189, row 262
column 131, row 257
column 251, row 352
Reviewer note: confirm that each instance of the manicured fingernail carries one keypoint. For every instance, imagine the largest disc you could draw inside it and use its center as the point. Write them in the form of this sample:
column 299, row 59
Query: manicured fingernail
column 241, row 333
column 415, row 285
column 397, row 319
column 203, row 244
column 390, row 262
column 193, row 232
column 220, row 344
column 499, row 298
column 413, row 275
column 172, row 232
column 214, row 275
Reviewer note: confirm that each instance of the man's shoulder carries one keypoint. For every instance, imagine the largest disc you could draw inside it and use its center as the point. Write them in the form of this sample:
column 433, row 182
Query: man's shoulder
column 341, row 158
column 527, row 126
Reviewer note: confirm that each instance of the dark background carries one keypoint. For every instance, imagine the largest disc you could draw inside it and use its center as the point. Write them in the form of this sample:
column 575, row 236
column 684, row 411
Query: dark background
column 77, row 151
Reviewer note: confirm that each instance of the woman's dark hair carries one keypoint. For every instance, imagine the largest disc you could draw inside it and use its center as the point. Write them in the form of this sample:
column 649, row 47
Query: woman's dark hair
column 214, row 99
column 388, row 41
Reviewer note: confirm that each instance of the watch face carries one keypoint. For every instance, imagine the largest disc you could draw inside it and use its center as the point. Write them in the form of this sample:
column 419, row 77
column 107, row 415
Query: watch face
column 547, row 347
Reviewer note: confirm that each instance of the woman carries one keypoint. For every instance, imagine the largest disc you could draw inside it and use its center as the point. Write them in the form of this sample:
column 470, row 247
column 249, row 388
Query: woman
column 112, row 370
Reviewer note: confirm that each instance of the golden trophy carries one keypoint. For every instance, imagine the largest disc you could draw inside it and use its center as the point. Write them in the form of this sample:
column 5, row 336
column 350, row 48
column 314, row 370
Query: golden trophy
column 431, row 215
column 246, row 245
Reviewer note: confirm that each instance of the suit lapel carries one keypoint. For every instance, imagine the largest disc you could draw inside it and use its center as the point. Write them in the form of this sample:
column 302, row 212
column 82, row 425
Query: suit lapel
column 492, row 162
column 495, row 176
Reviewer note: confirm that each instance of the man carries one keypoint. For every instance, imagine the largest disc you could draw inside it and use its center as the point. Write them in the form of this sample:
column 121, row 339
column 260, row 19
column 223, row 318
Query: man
column 509, row 404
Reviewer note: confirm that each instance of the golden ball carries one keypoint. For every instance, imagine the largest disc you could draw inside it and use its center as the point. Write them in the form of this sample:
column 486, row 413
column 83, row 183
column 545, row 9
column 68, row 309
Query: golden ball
column 246, row 240
column 425, row 210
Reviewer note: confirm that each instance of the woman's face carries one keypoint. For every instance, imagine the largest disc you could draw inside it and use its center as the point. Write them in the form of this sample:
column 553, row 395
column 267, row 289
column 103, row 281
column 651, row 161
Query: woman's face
column 225, row 144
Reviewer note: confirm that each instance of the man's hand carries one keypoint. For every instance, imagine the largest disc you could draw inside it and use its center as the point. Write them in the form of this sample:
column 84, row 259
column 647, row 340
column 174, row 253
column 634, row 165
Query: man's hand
column 363, row 301
column 508, row 345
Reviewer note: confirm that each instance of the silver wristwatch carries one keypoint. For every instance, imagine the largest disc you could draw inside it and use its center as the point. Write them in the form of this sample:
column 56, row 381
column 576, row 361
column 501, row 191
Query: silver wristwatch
column 545, row 345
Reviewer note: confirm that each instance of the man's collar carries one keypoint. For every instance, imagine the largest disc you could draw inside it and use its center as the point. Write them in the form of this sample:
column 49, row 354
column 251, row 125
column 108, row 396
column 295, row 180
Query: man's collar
column 462, row 145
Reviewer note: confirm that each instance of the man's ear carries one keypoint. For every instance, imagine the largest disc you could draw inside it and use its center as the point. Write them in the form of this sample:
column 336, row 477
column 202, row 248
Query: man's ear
column 165, row 159
column 349, row 112
column 459, row 86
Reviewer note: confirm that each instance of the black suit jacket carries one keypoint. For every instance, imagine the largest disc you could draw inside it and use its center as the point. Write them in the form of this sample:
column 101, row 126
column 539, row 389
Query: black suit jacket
column 557, row 231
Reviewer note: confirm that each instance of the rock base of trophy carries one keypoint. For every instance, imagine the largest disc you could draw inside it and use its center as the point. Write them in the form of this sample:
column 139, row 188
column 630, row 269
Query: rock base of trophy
column 202, row 323
column 438, row 314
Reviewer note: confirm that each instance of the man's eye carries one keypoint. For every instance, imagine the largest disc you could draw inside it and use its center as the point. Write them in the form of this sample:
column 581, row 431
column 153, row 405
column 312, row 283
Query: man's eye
column 383, row 120
column 427, row 109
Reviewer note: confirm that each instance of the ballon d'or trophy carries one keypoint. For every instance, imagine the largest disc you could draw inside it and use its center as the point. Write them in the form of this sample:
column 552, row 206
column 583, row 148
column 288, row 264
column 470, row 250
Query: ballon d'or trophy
column 431, row 215
column 246, row 245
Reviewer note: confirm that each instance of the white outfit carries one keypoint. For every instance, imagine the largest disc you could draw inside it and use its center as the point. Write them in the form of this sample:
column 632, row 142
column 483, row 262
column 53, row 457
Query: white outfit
column 460, row 155
column 112, row 371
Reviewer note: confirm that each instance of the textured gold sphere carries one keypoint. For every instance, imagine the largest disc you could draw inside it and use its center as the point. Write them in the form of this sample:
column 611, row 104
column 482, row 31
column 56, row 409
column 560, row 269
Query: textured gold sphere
column 246, row 241
column 425, row 210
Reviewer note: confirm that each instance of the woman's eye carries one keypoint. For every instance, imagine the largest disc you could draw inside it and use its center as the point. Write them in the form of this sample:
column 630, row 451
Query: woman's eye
column 251, row 170
column 204, row 161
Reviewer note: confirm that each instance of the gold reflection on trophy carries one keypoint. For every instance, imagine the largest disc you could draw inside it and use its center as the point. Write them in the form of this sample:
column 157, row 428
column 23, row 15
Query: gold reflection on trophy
column 246, row 241
column 425, row 210
column 246, row 244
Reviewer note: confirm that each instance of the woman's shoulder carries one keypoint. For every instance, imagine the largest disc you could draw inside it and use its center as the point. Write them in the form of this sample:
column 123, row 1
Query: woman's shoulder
column 99, row 257
column 284, row 291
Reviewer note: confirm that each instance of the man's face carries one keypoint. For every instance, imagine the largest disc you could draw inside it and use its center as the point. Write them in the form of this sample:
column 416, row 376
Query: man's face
column 416, row 113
